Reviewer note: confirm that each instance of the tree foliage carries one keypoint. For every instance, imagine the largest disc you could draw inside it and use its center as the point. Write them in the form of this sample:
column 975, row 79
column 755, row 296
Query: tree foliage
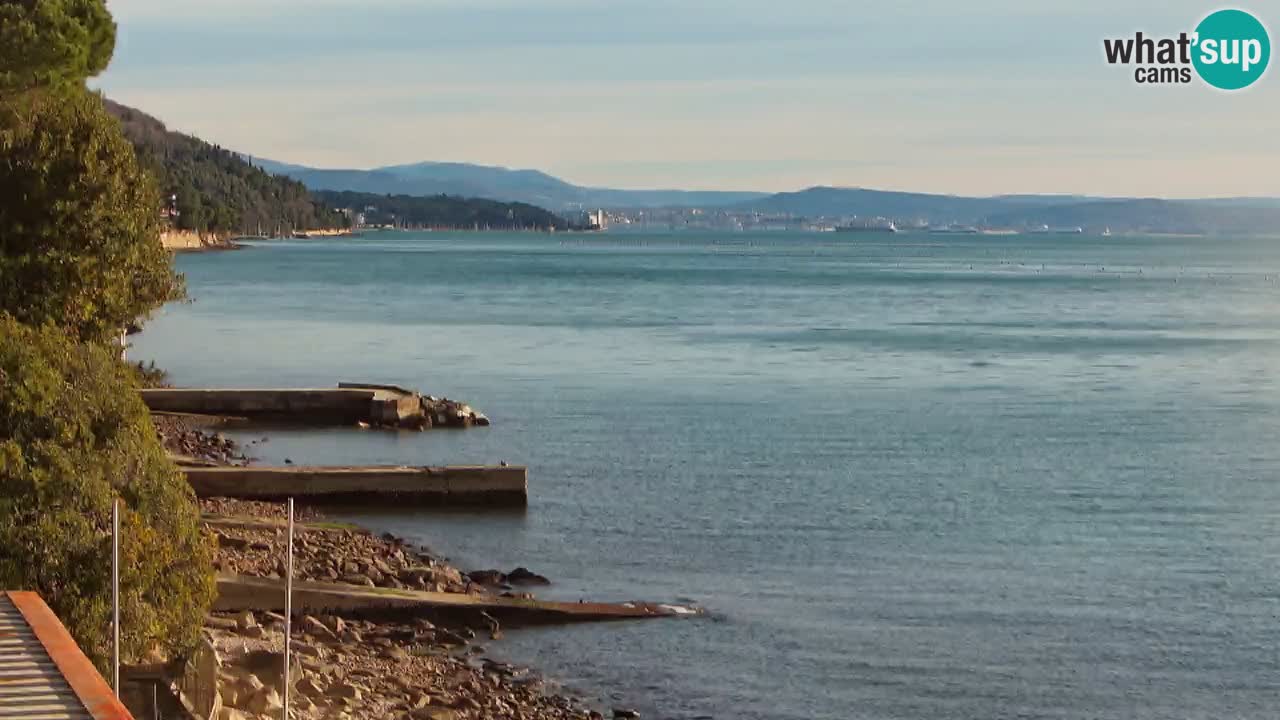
column 218, row 190
column 45, row 43
column 74, row 435
column 79, row 219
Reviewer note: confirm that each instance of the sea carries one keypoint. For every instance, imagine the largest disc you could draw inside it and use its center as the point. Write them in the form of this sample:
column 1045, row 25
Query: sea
column 909, row 477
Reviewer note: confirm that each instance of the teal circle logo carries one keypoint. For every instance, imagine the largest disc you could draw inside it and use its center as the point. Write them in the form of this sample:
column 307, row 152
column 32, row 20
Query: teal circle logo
column 1232, row 49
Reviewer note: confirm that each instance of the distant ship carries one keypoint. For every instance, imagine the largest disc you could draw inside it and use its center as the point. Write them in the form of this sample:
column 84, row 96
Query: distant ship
column 872, row 227
column 1046, row 230
column 953, row 230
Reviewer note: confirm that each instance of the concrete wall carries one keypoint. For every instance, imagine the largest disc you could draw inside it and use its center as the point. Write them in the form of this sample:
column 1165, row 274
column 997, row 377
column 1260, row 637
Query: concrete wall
column 237, row 593
column 301, row 405
column 463, row 485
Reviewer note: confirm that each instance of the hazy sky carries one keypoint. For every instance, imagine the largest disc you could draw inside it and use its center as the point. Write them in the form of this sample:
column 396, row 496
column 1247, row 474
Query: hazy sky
column 978, row 97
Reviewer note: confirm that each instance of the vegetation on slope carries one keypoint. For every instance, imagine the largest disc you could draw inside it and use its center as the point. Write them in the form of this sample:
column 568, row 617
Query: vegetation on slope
column 79, row 228
column 444, row 212
column 216, row 190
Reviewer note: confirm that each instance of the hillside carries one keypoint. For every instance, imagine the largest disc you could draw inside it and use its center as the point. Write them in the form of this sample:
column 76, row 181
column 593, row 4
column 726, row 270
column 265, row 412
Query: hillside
column 1237, row 216
column 498, row 183
column 217, row 190
column 442, row 212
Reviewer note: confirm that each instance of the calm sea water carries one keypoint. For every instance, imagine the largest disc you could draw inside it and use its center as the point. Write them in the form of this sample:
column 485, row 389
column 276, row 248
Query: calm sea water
column 911, row 477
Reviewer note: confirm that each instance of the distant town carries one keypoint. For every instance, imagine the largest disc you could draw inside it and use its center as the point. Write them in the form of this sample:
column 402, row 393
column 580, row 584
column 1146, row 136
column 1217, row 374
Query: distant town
column 733, row 220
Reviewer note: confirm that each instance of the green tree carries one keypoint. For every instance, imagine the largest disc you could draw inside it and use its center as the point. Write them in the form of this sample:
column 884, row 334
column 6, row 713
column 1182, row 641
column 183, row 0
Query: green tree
column 74, row 435
column 79, row 219
column 46, row 43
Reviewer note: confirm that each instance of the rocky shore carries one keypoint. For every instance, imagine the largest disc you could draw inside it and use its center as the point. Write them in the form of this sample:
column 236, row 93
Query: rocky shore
column 364, row 667
column 355, row 669
column 358, row 665
column 191, row 443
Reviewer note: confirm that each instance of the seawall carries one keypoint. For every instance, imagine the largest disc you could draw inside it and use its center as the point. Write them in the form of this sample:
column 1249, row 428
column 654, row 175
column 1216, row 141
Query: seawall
column 406, row 486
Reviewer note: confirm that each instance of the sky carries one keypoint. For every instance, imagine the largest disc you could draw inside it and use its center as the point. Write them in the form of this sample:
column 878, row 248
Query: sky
column 977, row 98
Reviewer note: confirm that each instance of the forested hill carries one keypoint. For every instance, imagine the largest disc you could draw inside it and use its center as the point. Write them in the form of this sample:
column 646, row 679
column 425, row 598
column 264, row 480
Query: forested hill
column 216, row 189
column 442, row 211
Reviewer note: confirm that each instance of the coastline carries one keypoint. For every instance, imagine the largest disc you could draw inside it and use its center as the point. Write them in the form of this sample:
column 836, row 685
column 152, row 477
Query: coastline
column 424, row 666
column 187, row 241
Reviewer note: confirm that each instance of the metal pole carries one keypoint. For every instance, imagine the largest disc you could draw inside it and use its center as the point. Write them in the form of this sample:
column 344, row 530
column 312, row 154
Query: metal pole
column 288, row 612
column 115, row 596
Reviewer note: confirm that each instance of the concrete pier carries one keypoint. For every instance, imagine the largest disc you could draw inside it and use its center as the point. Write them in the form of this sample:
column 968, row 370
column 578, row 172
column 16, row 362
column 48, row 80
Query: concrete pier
column 344, row 405
column 429, row 486
column 236, row 593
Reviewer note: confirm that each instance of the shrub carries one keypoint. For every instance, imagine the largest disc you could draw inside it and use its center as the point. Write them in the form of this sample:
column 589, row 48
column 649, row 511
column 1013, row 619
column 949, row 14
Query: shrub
column 79, row 220
column 74, row 435
column 53, row 42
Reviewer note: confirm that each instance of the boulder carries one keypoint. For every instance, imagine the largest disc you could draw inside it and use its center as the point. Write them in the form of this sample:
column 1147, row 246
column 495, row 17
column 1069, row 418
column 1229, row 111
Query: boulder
column 358, row 579
column 220, row 623
column 317, row 628
column 524, row 576
column 345, row 691
column 308, row 687
column 394, row 653
column 434, row 713
column 265, row 702
column 487, row 577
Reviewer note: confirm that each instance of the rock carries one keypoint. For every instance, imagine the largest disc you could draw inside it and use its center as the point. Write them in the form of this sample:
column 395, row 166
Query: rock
column 266, row 702
column 305, row 650
column 487, row 577
column 434, row 713
column 254, row 633
column 345, row 691
column 229, row 694
column 523, row 576
column 395, row 653
column 220, row 623
column 317, row 628
column 250, row 681
column 246, row 620
column 420, row 702
column 230, row 713
column 358, row 579
column 624, row 714
column 335, row 624
column 449, row 637
column 231, row 543
column 308, row 687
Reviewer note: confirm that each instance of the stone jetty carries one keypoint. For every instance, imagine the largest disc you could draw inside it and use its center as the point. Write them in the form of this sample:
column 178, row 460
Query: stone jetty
column 355, row 404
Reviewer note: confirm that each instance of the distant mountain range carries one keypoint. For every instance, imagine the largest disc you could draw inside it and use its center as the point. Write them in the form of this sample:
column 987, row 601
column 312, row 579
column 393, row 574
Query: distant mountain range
column 497, row 183
column 1246, row 216
column 1228, row 215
